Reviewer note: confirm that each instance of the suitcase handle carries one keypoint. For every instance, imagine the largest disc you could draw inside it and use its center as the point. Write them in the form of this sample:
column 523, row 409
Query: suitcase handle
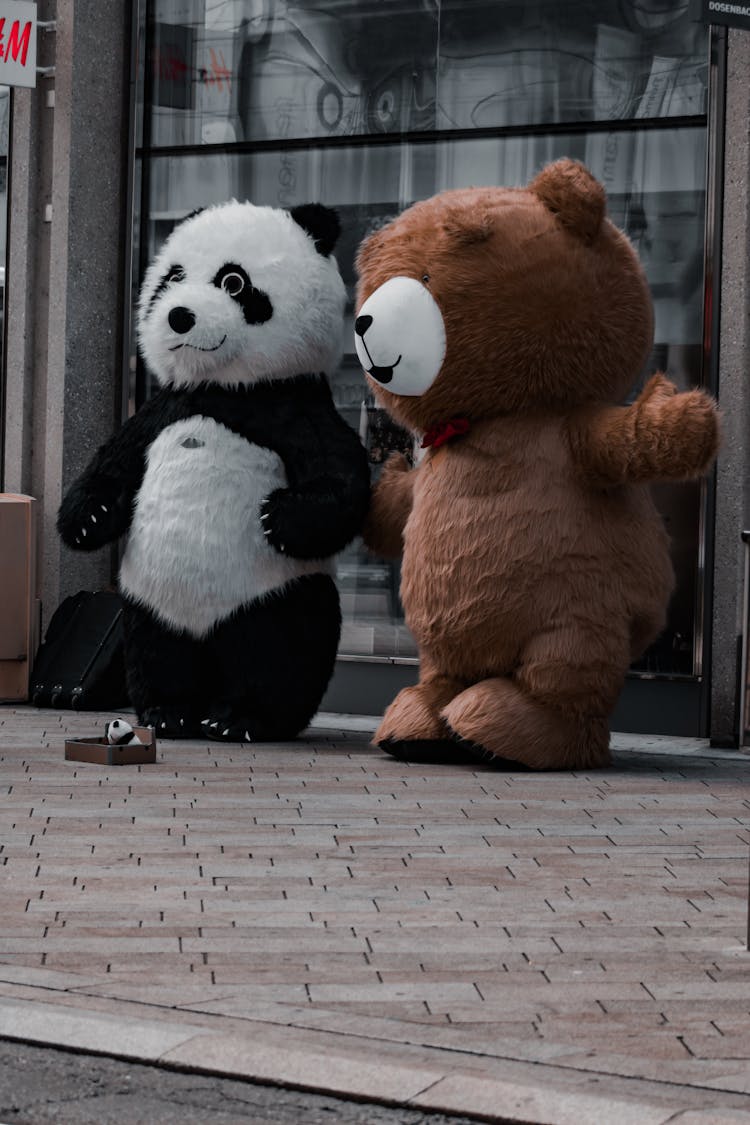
column 78, row 691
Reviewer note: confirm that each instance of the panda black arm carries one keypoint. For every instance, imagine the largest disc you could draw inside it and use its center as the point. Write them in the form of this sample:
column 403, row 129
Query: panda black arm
column 328, row 492
column 98, row 506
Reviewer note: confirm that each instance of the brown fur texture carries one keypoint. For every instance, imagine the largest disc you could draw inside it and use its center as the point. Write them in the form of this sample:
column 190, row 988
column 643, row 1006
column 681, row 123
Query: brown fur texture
column 535, row 565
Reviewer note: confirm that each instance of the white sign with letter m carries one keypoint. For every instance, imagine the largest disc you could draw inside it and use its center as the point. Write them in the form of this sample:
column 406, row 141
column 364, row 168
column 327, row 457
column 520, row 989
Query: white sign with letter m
column 17, row 43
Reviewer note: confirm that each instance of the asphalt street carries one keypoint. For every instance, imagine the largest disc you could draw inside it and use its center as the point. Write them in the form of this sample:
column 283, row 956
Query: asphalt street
column 39, row 1084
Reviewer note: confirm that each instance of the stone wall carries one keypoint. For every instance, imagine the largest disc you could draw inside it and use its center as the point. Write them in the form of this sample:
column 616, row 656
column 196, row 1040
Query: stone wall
column 733, row 475
column 67, row 243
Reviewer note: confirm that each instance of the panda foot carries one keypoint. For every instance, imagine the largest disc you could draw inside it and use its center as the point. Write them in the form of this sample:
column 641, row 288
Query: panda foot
column 223, row 725
column 228, row 730
column 171, row 722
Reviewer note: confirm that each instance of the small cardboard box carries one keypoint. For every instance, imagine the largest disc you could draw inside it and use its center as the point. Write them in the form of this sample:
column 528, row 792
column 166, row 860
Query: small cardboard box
column 103, row 754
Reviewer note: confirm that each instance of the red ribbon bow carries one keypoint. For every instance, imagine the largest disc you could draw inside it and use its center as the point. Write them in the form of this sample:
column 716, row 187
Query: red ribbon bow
column 438, row 435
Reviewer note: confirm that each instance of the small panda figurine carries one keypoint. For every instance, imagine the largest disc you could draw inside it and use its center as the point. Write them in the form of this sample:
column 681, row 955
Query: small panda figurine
column 237, row 483
column 118, row 732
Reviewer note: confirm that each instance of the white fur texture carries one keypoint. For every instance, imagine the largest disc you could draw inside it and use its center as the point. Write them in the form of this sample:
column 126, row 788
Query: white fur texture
column 305, row 288
column 196, row 549
column 407, row 334
column 119, row 733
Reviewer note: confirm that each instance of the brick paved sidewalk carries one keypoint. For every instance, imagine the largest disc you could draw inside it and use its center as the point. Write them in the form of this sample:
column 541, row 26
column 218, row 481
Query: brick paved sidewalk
column 553, row 947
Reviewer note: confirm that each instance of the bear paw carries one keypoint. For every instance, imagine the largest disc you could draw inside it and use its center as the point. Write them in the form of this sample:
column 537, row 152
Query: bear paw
column 680, row 429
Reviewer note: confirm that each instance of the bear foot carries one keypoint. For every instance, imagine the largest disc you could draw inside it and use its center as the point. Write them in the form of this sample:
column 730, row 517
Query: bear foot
column 482, row 756
column 413, row 717
column 435, row 751
column 170, row 722
column 506, row 723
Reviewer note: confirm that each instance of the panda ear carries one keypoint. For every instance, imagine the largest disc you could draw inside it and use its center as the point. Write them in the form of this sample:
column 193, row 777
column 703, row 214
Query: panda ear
column 321, row 223
column 191, row 215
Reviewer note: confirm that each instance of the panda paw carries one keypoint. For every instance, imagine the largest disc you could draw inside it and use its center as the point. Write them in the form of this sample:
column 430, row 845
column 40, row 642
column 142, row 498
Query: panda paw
column 272, row 520
column 171, row 722
column 88, row 519
column 297, row 525
column 228, row 723
column 227, row 730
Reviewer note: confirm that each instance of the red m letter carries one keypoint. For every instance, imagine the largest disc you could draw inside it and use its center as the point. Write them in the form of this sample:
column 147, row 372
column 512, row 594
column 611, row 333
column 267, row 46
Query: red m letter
column 16, row 44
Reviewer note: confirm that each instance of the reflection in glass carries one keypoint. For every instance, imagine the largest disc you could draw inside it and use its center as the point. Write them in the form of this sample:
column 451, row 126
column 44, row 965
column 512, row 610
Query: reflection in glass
column 271, row 70
column 656, row 190
column 519, row 63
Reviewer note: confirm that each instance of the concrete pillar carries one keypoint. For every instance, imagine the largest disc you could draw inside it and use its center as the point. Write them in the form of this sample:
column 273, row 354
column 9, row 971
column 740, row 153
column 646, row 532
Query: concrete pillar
column 733, row 477
column 68, row 233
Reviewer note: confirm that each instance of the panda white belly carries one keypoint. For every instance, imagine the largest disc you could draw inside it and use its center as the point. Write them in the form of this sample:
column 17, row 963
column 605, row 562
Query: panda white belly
column 196, row 549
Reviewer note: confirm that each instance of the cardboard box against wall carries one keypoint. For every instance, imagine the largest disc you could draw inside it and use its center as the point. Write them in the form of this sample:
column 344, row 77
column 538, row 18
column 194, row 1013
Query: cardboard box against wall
column 19, row 605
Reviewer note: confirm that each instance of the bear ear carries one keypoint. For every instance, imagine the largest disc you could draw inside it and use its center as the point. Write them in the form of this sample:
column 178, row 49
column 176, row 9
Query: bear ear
column 365, row 251
column 466, row 225
column 321, row 223
column 570, row 192
column 369, row 246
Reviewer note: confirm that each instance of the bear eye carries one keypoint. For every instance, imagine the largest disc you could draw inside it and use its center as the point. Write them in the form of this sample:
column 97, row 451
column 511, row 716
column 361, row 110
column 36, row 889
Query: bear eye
column 233, row 284
column 426, row 278
column 176, row 273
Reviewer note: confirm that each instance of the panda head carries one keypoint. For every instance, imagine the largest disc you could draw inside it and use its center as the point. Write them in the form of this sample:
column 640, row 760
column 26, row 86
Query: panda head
column 243, row 294
column 119, row 732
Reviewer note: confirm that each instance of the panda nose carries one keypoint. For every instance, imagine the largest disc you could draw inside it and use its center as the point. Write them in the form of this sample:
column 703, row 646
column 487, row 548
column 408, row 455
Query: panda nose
column 361, row 324
column 181, row 320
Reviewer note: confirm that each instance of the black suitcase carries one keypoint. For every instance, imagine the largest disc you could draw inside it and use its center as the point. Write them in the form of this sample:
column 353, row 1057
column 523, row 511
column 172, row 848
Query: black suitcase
column 80, row 663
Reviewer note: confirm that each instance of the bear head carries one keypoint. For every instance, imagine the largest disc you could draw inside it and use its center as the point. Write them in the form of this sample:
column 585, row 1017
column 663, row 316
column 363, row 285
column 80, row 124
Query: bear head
column 482, row 302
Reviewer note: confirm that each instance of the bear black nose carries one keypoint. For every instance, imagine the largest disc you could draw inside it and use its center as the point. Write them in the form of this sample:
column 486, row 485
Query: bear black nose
column 181, row 320
column 361, row 324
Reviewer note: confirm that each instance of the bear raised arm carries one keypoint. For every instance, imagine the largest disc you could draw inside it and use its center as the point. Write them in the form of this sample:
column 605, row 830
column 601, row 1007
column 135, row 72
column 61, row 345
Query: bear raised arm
column 663, row 435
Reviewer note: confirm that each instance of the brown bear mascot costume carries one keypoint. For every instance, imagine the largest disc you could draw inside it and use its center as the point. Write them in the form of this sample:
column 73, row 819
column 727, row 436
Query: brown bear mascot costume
column 505, row 325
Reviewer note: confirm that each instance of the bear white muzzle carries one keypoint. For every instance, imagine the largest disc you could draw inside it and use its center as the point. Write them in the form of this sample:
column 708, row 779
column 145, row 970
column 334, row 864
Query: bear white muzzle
column 399, row 335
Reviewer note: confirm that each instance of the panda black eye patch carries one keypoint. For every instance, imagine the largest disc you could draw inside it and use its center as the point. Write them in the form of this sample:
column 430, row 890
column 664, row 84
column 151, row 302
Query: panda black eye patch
column 255, row 304
column 174, row 273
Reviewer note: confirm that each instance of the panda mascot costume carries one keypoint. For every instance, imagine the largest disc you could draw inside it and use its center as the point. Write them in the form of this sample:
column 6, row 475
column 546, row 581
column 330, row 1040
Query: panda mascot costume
column 237, row 483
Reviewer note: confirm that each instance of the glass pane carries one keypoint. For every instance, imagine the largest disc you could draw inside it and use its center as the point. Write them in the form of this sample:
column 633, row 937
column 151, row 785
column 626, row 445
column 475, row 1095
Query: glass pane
column 250, row 70
column 256, row 70
column 655, row 182
column 530, row 63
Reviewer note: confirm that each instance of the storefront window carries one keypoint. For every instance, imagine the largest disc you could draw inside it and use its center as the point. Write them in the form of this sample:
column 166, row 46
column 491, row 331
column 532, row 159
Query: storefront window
column 226, row 71
column 370, row 106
